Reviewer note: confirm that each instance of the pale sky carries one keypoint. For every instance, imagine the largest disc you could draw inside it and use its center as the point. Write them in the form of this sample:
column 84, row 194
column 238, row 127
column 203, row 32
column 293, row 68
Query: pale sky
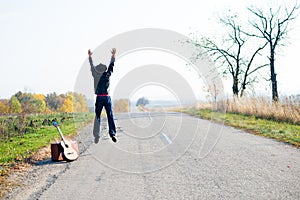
column 44, row 43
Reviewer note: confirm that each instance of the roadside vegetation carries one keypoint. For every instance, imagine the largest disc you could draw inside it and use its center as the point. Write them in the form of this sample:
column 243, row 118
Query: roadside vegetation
column 19, row 150
column 26, row 129
column 37, row 132
column 278, row 120
column 245, row 52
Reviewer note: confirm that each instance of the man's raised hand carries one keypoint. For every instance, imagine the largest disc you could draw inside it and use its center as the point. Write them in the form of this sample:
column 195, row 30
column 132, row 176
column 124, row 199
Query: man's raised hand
column 113, row 52
column 90, row 53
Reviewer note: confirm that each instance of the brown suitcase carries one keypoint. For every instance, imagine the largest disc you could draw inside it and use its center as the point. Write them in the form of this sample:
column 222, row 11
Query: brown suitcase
column 56, row 150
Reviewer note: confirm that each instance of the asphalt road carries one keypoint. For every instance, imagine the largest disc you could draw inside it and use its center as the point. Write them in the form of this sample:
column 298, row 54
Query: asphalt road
column 174, row 156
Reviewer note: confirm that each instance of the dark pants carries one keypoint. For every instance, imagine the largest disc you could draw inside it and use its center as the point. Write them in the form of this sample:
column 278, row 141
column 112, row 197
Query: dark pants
column 106, row 102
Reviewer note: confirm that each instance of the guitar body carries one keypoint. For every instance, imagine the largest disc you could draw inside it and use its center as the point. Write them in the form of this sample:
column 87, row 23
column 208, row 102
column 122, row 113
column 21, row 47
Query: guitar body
column 69, row 153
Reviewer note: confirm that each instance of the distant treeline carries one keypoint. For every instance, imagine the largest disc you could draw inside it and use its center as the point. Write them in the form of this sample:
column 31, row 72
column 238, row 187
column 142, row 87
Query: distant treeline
column 40, row 103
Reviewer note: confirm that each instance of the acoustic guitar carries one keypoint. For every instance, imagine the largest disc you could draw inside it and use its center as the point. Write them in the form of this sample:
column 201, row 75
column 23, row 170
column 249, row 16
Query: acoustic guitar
column 69, row 153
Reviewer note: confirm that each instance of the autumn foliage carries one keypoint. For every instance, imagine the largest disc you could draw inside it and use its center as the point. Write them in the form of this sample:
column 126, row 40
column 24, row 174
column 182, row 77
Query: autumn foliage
column 40, row 103
column 121, row 105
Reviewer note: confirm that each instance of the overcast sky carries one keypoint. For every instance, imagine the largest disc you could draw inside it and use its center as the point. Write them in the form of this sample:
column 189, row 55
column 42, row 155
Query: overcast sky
column 44, row 43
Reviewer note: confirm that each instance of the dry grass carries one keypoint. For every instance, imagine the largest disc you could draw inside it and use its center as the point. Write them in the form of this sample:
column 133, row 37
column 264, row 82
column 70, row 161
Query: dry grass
column 286, row 110
column 261, row 116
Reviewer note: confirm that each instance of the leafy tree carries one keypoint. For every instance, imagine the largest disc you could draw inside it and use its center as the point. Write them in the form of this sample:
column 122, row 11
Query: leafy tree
column 31, row 103
column 142, row 101
column 54, row 101
column 79, row 103
column 4, row 107
column 26, row 100
column 15, row 105
column 67, row 105
column 39, row 103
column 121, row 105
column 39, row 96
column 38, row 106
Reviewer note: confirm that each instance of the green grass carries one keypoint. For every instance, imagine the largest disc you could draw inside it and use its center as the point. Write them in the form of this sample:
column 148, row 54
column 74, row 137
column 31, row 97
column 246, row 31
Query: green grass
column 19, row 148
column 280, row 131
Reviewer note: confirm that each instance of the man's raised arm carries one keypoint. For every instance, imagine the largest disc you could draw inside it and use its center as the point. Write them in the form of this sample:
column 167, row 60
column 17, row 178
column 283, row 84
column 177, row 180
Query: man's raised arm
column 112, row 61
column 91, row 62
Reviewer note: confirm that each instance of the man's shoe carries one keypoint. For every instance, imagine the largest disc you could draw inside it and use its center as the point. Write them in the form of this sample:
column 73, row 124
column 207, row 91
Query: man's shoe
column 113, row 138
column 96, row 140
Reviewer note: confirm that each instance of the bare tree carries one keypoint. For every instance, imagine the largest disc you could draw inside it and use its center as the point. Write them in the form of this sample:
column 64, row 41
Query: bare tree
column 249, row 71
column 273, row 28
column 233, row 54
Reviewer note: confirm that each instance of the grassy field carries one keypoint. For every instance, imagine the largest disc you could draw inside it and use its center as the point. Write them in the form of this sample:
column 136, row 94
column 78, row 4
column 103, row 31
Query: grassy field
column 19, row 146
column 281, row 131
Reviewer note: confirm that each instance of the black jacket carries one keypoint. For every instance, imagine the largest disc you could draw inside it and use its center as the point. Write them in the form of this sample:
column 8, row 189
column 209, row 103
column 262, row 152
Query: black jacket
column 101, row 76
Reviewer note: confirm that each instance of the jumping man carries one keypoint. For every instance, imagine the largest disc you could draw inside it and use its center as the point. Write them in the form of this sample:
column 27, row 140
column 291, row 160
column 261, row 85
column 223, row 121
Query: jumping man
column 101, row 75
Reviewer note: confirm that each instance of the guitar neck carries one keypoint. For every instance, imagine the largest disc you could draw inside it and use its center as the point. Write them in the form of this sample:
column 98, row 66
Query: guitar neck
column 61, row 135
